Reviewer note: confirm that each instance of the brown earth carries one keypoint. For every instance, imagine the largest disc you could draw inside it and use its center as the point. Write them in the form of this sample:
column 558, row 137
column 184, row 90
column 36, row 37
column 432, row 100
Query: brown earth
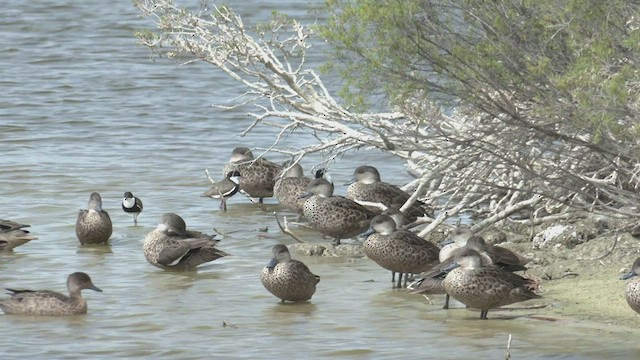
column 579, row 270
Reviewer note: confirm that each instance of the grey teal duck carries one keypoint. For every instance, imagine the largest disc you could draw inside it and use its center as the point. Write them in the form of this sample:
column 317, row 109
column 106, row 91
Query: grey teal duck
column 398, row 250
column 632, row 291
column 50, row 303
column 13, row 234
column 431, row 281
column 93, row 225
column 132, row 205
column 463, row 237
column 400, row 221
column 288, row 279
column 225, row 188
column 172, row 247
column 258, row 176
column 367, row 186
column 292, row 185
column 484, row 287
column 332, row 215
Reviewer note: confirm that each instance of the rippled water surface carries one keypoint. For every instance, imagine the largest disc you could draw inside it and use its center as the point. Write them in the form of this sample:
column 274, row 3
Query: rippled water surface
column 84, row 109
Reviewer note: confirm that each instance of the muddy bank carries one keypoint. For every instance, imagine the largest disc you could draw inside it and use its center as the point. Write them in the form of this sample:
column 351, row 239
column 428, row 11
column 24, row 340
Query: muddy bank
column 579, row 265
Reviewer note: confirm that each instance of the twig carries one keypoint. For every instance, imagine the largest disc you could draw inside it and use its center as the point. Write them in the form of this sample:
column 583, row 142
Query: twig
column 377, row 205
column 285, row 228
column 261, row 206
column 225, row 234
column 508, row 348
column 206, row 172
column 615, row 242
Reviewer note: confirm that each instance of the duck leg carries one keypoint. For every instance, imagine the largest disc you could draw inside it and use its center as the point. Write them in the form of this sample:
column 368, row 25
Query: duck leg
column 135, row 219
column 393, row 276
column 399, row 283
column 446, row 302
column 483, row 314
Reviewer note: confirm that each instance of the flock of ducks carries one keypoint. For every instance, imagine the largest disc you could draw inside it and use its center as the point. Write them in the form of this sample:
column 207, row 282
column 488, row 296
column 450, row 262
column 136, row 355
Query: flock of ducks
column 477, row 274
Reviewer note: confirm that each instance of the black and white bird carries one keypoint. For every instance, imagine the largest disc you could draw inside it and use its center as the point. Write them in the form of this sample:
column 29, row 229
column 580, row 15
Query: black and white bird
column 132, row 204
column 225, row 188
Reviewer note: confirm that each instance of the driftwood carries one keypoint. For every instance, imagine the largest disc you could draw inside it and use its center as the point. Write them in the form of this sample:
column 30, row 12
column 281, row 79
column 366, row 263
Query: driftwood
column 495, row 168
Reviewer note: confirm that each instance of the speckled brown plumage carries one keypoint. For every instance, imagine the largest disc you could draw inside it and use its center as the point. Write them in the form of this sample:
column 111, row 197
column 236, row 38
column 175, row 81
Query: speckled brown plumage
column 258, row 176
column 12, row 234
column 484, row 287
column 93, row 225
column 290, row 187
column 367, row 186
column 398, row 250
column 288, row 279
column 50, row 303
column 334, row 216
column 463, row 237
column 632, row 291
column 172, row 247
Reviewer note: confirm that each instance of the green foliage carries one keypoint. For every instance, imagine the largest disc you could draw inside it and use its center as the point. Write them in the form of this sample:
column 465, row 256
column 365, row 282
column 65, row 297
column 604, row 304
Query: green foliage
column 542, row 61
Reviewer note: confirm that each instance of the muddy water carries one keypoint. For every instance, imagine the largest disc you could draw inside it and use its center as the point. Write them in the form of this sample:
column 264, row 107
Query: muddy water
column 84, row 109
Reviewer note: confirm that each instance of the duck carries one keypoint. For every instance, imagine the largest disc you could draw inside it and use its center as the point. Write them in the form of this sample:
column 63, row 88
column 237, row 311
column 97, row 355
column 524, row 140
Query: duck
column 632, row 291
column 398, row 250
column 366, row 185
column 484, row 287
column 50, row 303
column 334, row 215
column 400, row 221
column 12, row 234
column 291, row 185
column 288, row 279
column 258, row 176
column 430, row 282
column 463, row 237
column 225, row 188
column 132, row 205
column 170, row 246
column 93, row 225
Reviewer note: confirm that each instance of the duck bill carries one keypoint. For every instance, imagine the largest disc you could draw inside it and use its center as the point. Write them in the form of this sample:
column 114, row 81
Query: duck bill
column 450, row 267
column 305, row 195
column 368, row 232
column 272, row 263
column 446, row 241
column 95, row 288
column 628, row 275
column 353, row 180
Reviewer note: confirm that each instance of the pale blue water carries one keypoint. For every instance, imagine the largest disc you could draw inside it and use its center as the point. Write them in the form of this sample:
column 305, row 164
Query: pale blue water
column 84, row 108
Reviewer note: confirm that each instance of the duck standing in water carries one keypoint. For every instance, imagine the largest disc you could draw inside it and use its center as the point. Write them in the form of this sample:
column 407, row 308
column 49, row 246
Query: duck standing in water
column 50, row 303
column 292, row 185
column 258, row 176
column 334, row 216
column 632, row 291
column 12, row 234
column 398, row 250
column 132, row 205
column 93, row 225
column 172, row 247
column 367, row 186
column 484, row 287
column 225, row 188
column 288, row 279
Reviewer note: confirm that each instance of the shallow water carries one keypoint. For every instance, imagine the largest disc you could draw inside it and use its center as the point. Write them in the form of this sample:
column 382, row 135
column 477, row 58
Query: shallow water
column 85, row 109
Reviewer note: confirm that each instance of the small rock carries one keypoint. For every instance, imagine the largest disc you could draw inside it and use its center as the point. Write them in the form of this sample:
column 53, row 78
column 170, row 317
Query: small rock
column 308, row 249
